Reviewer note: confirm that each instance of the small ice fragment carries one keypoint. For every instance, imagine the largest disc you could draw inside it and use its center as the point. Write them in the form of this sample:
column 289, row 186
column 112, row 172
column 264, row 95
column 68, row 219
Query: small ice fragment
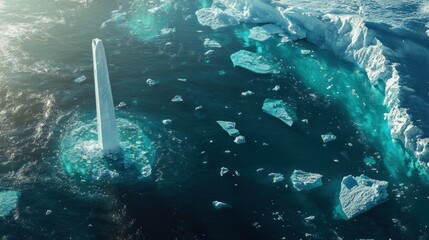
column 227, row 151
column 121, row 105
column 177, row 98
column 80, row 79
column 211, row 43
column 305, row 181
column 259, row 34
column 304, row 121
column 220, row 205
column 253, row 62
column 48, row 212
column 151, row 82
column 223, row 171
column 277, row 177
column 259, row 169
column 165, row 31
column 222, row 72
column 240, row 140
column 237, row 173
column 305, row 52
column 309, row 218
column 166, row 121
column 8, row 201
column 278, row 109
column 360, row 194
column 369, row 161
column 209, row 52
column 198, row 108
column 146, row 171
column 264, row 144
column 229, row 127
column 276, row 88
column 328, row 137
column 247, row 93
column 182, row 79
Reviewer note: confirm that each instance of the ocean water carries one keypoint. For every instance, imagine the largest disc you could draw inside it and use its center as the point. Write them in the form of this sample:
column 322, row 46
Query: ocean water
column 48, row 125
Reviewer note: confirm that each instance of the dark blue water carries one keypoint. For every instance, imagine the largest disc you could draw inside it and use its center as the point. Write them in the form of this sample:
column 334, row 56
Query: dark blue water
column 41, row 105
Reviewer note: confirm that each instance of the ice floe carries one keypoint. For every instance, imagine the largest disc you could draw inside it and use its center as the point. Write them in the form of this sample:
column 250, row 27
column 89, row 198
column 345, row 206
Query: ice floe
column 305, row 181
column 253, row 62
column 328, row 137
column 278, row 109
column 218, row 205
column 277, row 177
column 240, row 140
column 8, row 201
column 229, row 127
column 360, row 194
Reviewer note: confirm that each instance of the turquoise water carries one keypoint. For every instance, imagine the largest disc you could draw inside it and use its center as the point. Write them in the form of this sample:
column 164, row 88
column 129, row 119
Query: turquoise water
column 46, row 118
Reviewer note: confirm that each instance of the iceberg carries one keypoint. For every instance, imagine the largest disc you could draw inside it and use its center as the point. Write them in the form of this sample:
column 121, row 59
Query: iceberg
column 360, row 194
column 229, row 127
column 253, row 62
column 8, row 201
column 305, row 181
column 277, row 177
column 240, row 140
column 278, row 109
column 220, row 205
column 328, row 137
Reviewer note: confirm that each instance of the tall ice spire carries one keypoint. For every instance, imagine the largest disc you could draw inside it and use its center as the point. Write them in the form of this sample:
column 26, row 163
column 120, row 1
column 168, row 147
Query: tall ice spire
column 108, row 135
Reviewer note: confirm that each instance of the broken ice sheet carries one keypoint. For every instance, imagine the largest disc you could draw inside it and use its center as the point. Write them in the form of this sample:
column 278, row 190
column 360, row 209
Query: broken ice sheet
column 210, row 43
column 229, row 127
column 328, row 137
column 253, row 62
column 278, row 109
column 264, row 32
column 223, row 171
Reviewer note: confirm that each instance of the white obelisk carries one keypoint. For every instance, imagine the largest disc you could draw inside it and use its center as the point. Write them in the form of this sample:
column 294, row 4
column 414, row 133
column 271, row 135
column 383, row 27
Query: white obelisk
column 108, row 135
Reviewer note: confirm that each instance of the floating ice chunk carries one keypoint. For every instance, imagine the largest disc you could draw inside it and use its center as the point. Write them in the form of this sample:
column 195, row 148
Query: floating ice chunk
column 305, row 52
column 253, row 62
column 198, row 108
column 247, row 93
column 146, row 171
column 121, row 105
column 277, row 177
column 151, row 82
column 240, row 140
column 80, row 79
column 328, row 137
column 309, row 218
column 259, row 169
column 229, row 127
column 48, row 212
column 215, row 18
column 211, row 43
column 259, row 34
column 165, row 31
column 305, row 181
column 223, row 171
column 8, row 201
column 166, row 121
column 209, row 52
column 278, row 109
column 369, row 161
column 276, row 88
column 304, row 121
column 264, row 32
column 220, row 205
column 222, row 72
column 182, row 79
column 360, row 194
column 177, row 98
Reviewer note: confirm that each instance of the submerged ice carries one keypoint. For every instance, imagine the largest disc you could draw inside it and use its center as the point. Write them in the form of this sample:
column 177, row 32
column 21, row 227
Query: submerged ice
column 8, row 201
column 360, row 194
